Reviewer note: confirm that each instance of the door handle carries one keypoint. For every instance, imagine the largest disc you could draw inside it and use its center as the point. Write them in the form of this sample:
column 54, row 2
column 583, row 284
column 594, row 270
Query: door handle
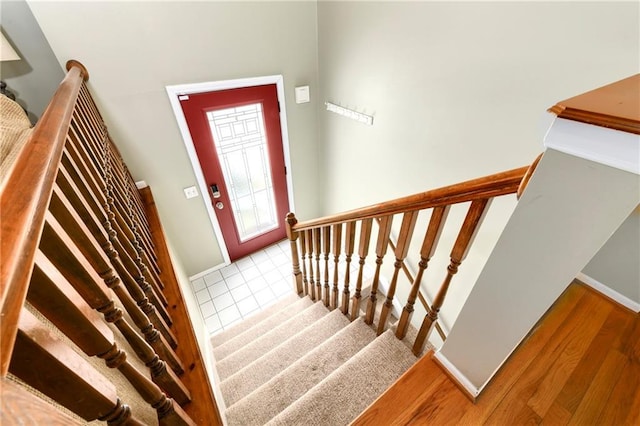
column 215, row 192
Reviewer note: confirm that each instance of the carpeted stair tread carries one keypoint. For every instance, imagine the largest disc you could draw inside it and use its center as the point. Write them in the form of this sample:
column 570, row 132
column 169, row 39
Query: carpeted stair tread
column 252, row 320
column 260, row 371
column 274, row 396
column 266, row 342
column 242, row 339
column 344, row 394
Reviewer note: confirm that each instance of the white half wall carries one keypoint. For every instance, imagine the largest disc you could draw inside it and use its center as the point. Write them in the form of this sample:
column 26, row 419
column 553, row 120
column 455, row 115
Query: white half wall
column 568, row 211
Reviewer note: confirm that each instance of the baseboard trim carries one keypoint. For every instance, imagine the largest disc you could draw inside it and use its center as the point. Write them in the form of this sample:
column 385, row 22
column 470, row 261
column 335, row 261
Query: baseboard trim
column 460, row 380
column 608, row 292
column 208, row 271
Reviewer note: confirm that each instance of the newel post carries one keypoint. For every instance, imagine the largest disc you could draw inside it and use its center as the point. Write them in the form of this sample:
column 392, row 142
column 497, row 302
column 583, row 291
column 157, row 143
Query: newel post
column 295, row 259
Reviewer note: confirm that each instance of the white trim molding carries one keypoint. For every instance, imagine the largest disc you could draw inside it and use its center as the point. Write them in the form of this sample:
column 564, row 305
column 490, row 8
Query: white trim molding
column 175, row 91
column 610, row 293
column 457, row 374
column 610, row 147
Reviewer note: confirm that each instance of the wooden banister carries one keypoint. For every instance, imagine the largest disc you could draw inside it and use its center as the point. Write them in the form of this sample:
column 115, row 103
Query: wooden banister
column 21, row 234
column 358, row 224
column 485, row 187
column 75, row 232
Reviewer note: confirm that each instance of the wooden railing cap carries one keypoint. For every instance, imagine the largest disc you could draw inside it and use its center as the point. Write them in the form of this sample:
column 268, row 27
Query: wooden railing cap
column 83, row 70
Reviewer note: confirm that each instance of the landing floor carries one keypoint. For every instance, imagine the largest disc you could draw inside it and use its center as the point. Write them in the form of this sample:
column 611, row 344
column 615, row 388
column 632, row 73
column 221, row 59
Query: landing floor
column 580, row 365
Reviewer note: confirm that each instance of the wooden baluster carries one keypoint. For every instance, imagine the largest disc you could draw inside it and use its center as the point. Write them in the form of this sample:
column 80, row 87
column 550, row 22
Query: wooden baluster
column 312, row 284
column 44, row 362
column 117, row 191
column 150, row 288
column 136, row 213
column 91, row 175
column 295, row 259
column 349, row 241
column 95, row 151
column 58, row 248
column 467, row 233
column 54, row 296
column 337, row 244
column 326, row 244
column 363, row 251
column 86, row 241
column 318, row 249
column 402, row 248
column 141, row 276
column 78, row 180
column 429, row 244
column 98, row 341
column 145, row 251
column 137, row 210
column 384, row 230
column 302, row 237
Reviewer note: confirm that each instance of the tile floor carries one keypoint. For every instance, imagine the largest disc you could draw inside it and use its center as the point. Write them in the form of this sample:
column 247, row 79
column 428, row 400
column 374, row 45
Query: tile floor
column 246, row 286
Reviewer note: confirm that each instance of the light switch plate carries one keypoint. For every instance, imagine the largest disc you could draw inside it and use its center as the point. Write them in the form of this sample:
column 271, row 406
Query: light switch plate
column 191, row 192
column 302, row 94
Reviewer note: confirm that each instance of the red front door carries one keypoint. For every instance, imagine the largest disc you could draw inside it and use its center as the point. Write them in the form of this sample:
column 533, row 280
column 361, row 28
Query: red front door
column 238, row 140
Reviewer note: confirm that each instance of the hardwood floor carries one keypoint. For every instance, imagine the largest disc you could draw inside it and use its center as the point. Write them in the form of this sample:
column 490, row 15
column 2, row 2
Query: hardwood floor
column 580, row 365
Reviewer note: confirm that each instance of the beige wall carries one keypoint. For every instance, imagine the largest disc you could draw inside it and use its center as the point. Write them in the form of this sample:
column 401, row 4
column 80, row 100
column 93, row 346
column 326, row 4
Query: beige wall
column 134, row 49
column 458, row 90
column 617, row 264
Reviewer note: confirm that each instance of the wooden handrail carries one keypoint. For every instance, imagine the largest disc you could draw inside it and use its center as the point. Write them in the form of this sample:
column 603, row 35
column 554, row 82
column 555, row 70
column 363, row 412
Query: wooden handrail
column 485, row 187
column 21, row 234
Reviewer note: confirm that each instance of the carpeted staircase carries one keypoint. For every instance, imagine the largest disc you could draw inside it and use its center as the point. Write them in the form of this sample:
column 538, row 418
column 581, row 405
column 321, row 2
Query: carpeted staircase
column 298, row 363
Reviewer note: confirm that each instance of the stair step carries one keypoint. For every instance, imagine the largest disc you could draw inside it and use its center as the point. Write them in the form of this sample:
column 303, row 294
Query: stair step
column 344, row 394
column 260, row 371
column 249, row 322
column 247, row 336
column 266, row 342
column 274, row 396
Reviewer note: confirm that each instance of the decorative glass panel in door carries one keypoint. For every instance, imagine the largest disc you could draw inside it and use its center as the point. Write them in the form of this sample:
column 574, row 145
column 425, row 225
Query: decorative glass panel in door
column 241, row 145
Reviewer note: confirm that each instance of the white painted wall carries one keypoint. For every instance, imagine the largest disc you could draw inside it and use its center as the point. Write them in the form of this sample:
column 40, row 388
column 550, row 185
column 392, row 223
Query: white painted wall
column 458, row 90
column 134, row 49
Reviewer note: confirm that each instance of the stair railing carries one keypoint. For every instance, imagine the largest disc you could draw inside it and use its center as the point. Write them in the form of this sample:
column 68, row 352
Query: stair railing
column 324, row 236
column 78, row 251
column 421, row 297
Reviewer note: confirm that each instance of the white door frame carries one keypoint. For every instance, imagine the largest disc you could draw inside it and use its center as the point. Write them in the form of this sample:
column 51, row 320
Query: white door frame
column 186, row 89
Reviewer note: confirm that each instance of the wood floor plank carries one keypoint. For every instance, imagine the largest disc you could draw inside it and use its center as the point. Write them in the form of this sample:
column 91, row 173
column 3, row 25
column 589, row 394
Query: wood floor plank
column 528, row 382
column 561, row 369
column 601, row 387
column 533, row 344
column 633, row 418
column 617, row 409
column 557, row 415
column 574, row 389
column 445, row 406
